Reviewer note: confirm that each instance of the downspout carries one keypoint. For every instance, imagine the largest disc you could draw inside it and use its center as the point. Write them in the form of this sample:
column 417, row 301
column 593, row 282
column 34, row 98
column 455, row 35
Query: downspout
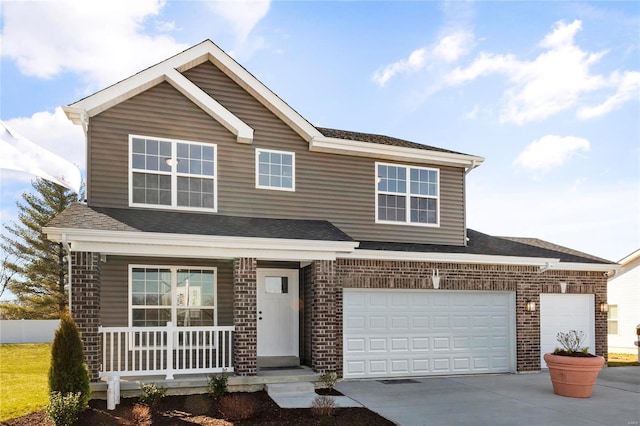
column 67, row 248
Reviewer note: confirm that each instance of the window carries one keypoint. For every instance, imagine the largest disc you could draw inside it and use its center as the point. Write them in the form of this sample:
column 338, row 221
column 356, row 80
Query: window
column 407, row 195
column 172, row 174
column 612, row 319
column 184, row 295
column 275, row 170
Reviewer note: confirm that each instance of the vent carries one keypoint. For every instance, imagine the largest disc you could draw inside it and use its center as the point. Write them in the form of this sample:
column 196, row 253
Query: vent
column 397, row 381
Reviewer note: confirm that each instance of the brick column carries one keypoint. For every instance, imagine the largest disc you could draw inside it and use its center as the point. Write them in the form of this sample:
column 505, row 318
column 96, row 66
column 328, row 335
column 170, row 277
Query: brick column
column 245, row 338
column 85, row 306
column 324, row 356
column 527, row 328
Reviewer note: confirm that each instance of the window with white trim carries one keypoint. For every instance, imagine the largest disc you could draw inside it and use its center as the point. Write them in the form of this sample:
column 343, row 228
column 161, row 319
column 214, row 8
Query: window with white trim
column 407, row 195
column 185, row 296
column 170, row 173
column 612, row 319
column 275, row 170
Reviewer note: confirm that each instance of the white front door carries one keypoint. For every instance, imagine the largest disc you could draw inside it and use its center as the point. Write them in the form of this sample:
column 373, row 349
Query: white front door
column 278, row 310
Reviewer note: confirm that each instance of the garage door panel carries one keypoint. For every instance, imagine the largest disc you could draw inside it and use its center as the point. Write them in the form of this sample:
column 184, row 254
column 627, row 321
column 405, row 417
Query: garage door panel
column 437, row 332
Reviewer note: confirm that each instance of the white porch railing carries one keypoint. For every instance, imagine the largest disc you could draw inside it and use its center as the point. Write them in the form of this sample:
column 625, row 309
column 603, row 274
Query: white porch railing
column 138, row 351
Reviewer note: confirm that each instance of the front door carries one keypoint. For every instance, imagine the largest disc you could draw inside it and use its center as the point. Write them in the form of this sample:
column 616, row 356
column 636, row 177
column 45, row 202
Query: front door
column 278, row 309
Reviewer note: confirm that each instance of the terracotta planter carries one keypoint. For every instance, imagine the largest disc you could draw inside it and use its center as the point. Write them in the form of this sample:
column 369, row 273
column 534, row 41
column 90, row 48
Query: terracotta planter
column 573, row 376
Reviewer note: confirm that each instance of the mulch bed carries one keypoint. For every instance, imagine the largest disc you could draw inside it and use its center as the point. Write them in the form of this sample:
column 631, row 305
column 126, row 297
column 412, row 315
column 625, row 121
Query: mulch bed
column 202, row 410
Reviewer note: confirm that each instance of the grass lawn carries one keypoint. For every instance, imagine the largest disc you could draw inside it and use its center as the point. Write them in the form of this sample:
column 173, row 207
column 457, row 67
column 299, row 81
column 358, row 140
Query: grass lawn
column 24, row 386
column 623, row 360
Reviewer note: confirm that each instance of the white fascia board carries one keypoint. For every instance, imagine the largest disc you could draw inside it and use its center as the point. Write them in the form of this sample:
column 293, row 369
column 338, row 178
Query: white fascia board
column 589, row 267
column 128, row 242
column 243, row 132
column 196, row 55
column 392, row 152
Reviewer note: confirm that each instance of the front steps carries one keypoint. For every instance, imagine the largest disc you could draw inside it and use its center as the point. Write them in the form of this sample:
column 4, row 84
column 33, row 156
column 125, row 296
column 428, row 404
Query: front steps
column 191, row 384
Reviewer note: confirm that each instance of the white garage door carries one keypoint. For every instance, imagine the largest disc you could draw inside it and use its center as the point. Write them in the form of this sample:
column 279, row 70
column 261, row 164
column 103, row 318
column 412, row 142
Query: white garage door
column 392, row 333
column 564, row 312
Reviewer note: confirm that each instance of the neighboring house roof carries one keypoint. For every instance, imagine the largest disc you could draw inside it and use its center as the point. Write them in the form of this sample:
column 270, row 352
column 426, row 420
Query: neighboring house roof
column 81, row 216
column 483, row 244
column 629, row 258
column 336, row 142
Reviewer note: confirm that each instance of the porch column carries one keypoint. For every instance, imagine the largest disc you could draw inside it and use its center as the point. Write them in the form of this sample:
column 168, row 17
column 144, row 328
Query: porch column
column 245, row 341
column 85, row 305
column 324, row 356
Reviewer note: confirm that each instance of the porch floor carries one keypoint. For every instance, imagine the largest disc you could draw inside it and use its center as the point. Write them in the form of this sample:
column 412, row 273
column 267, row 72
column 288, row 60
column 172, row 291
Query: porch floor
column 191, row 384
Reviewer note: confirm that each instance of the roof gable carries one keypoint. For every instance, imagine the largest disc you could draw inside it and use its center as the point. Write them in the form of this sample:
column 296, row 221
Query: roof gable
column 337, row 142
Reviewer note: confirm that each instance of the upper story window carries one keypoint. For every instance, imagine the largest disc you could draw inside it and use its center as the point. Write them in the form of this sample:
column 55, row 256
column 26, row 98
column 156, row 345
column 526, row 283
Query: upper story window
column 275, row 170
column 407, row 195
column 172, row 174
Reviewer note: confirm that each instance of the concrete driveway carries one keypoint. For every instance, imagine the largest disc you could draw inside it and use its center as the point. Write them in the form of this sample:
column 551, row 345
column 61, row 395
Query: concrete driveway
column 505, row 399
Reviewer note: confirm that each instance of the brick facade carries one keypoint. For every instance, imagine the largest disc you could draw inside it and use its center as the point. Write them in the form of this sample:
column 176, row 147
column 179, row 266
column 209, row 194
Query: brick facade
column 245, row 338
column 85, row 306
column 526, row 281
column 324, row 314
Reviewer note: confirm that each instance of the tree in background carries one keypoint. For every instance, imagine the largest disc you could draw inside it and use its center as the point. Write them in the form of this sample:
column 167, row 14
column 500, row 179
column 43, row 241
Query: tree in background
column 40, row 267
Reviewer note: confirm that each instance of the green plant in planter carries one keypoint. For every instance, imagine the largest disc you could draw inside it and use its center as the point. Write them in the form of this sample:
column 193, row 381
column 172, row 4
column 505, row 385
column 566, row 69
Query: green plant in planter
column 571, row 342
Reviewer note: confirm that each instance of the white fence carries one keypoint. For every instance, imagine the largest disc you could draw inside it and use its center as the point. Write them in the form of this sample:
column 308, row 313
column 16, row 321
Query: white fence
column 165, row 350
column 28, row 331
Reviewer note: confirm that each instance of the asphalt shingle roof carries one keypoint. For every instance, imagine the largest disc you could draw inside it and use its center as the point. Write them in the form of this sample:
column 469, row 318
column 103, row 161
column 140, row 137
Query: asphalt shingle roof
column 380, row 139
column 484, row 244
column 81, row 216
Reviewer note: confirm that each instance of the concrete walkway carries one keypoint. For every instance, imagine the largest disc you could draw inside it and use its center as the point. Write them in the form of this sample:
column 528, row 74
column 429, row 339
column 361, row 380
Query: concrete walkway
column 509, row 399
column 302, row 395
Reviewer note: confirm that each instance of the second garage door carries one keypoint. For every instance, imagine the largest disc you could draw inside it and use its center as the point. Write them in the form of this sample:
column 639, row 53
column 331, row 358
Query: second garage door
column 395, row 333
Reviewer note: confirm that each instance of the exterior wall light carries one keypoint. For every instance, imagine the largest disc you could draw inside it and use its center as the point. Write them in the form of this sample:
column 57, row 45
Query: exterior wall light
column 530, row 306
column 563, row 287
column 435, row 279
column 604, row 307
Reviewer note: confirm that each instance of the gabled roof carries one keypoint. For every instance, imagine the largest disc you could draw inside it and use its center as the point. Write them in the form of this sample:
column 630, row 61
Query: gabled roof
column 630, row 258
column 320, row 140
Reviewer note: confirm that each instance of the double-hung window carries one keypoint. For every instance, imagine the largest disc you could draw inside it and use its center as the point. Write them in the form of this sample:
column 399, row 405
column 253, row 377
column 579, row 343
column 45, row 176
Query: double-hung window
column 169, row 173
column 612, row 319
column 407, row 195
column 275, row 170
column 184, row 295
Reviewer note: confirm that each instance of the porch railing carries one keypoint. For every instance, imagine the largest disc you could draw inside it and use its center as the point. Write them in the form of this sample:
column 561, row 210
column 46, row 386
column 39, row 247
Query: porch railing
column 168, row 350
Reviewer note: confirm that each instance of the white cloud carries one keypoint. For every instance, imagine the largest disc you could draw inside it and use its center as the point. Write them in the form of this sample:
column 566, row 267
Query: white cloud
column 102, row 40
column 556, row 80
column 54, row 132
column 414, row 62
column 550, row 151
column 243, row 15
column 449, row 48
column 628, row 88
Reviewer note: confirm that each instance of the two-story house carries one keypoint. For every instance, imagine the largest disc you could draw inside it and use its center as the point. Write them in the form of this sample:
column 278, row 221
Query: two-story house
column 222, row 230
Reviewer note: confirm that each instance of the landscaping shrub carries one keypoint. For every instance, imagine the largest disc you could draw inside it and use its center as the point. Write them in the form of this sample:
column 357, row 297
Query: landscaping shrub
column 68, row 372
column 151, row 394
column 237, row 407
column 63, row 408
column 217, row 385
column 140, row 415
column 323, row 406
column 329, row 379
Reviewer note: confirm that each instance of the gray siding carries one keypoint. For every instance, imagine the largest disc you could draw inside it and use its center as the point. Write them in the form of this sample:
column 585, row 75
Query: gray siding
column 337, row 188
column 114, row 291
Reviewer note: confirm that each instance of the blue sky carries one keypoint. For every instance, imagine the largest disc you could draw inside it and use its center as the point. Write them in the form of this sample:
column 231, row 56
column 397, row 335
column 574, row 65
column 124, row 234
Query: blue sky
column 548, row 92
